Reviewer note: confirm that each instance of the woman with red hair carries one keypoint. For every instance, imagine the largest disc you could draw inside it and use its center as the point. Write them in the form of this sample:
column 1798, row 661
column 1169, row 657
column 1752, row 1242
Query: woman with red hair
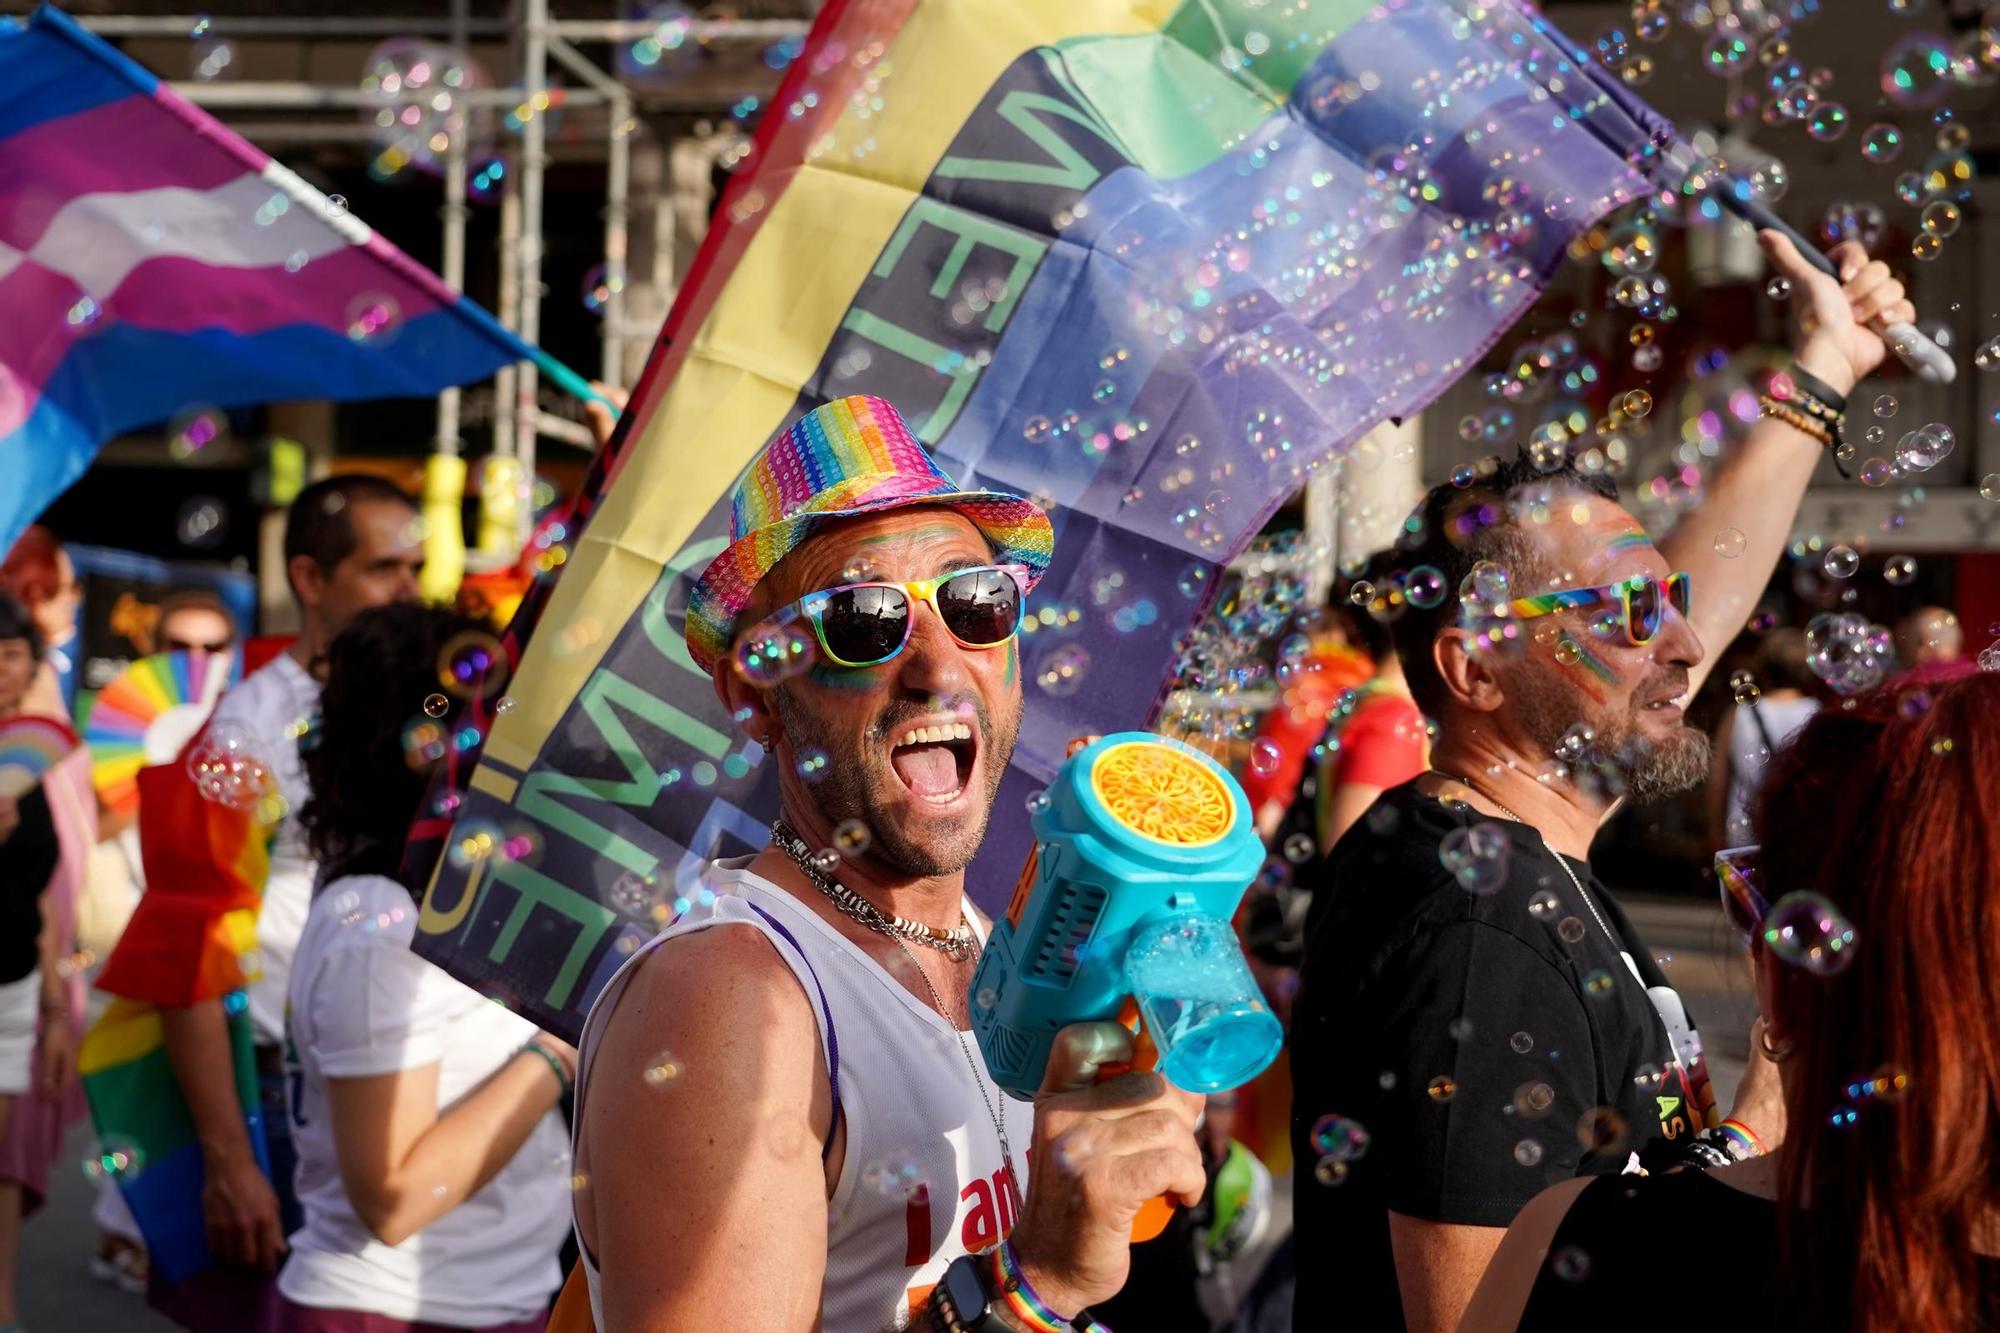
column 1873, row 907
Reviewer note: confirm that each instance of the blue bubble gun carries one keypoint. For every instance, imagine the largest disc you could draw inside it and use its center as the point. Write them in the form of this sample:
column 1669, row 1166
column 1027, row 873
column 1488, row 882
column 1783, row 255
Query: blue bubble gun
column 1143, row 848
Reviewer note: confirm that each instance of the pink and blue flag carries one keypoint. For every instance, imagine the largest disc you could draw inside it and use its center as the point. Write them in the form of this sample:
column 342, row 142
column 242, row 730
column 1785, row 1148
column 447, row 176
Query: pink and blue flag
column 150, row 258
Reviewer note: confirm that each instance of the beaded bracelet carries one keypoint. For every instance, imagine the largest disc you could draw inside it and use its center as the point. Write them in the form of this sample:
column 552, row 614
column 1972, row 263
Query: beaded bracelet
column 1797, row 420
column 562, row 1075
column 1802, row 391
column 1012, row 1289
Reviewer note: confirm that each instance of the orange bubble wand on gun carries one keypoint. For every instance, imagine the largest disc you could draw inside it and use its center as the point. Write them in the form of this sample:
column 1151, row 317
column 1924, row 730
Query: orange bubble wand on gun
column 1143, row 849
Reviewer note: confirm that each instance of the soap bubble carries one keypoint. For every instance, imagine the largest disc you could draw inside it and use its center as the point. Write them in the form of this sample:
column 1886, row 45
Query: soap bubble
column 1476, row 856
column 1779, row 288
column 1521, row 1043
column 1899, row 569
column 1330, row 1171
column 1881, row 142
column 1528, row 1152
column 1917, row 70
column 228, row 766
column 373, row 319
column 1727, row 51
column 895, row 1175
column 600, row 283
column 1841, row 562
column 1989, row 486
column 662, row 1071
column 1575, row 742
column 1338, row 1137
column 1570, row 1264
column 436, row 705
column 1885, row 405
column 1949, row 176
column 1827, row 121
column 1729, row 543
column 1861, row 222
column 1572, row 929
column 851, row 837
column 1265, row 757
column 1940, row 218
column 1300, row 848
column 1743, row 687
column 471, row 665
column 1988, row 355
column 1425, row 588
column 1037, row 802
column 770, row 654
column 116, row 1157
column 1061, row 671
column 632, row 893
column 1442, row 1088
column 1636, row 403
column 1847, row 652
column 212, row 57
column 1544, row 905
column 811, row 763
column 202, row 522
column 1807, row 931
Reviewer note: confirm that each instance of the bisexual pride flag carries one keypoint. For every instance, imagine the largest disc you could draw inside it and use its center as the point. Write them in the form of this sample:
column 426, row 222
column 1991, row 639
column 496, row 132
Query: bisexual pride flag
column 1152, row 262
column 150, row 258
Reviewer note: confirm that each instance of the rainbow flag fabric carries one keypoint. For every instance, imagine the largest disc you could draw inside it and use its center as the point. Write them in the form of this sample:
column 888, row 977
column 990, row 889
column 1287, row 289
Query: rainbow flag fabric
column 197, row 921
column 151, row 258
column 1150, row 262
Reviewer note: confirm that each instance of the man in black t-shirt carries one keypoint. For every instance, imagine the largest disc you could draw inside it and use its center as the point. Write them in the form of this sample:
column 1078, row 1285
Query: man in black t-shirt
column 1477, row 1020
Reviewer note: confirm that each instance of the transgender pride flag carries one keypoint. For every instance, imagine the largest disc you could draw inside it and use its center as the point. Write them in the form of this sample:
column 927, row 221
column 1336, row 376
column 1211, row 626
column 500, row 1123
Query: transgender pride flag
column 150, row 258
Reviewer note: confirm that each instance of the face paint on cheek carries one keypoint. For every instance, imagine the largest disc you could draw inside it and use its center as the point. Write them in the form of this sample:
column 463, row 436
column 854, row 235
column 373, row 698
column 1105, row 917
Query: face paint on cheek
column 1581, row 663
column 1013, row 667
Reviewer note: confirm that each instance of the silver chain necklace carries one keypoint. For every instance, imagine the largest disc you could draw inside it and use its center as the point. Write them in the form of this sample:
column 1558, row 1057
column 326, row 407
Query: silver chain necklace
column 1560, row 860
column 884, row 924
column 956, row 943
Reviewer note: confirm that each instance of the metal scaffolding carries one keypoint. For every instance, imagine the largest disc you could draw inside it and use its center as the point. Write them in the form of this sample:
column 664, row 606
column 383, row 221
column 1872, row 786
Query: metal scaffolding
column 536, row 38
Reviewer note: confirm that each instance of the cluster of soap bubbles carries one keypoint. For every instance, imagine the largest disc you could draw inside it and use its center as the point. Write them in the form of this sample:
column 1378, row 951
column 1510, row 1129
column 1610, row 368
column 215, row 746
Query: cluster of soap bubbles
column 1340, row 1142
column 117, row 1157
column 418, row 104
column 1805, row 930
column 228, row 766
column 667, row 51
column 1847, row 651
column 1227, row 663
column 471, row 665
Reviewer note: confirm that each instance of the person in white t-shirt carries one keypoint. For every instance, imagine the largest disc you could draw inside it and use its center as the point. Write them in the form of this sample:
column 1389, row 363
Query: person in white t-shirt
column 351, row 543
column 433, row 1164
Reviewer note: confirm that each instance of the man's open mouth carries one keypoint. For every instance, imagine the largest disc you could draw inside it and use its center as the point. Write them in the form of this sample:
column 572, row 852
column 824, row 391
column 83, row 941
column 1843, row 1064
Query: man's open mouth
column 935, row 761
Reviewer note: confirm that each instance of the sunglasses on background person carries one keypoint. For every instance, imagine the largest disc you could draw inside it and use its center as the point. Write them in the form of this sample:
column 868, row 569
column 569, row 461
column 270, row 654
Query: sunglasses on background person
column 1739, row 873
column 179, row 645
column 867, row 624
column 1641, row 601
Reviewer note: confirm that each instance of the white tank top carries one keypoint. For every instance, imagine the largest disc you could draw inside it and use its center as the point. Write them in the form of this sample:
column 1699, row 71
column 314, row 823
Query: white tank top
column 923, row 1180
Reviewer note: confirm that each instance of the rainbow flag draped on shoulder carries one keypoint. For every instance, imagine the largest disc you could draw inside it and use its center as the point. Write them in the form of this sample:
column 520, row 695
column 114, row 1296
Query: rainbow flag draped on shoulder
column 151, row 258
column 1150, row 262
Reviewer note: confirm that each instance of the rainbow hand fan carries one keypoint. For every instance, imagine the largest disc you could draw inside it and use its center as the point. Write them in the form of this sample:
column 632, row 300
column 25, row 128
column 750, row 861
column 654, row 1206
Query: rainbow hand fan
column 30, row 747
column 146, row 714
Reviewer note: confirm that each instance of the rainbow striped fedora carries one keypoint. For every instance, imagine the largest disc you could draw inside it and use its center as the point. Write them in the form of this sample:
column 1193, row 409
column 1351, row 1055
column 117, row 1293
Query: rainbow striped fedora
column 847, row 457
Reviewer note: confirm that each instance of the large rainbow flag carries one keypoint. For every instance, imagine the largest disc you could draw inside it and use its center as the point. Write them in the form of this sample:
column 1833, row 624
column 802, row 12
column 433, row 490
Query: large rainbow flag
column 1151, row 261
column 151, row 259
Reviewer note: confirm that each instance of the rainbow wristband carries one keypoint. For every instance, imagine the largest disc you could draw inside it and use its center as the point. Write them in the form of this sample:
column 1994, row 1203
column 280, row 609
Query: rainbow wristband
column 1011, row 1288
column 1740, row 1140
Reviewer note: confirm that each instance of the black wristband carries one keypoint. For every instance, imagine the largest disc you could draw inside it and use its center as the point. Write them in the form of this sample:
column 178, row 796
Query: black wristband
column 1817, row 387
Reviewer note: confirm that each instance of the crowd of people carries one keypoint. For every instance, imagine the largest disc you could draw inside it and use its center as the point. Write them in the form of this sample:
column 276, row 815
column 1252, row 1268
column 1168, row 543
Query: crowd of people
column 776, row 1116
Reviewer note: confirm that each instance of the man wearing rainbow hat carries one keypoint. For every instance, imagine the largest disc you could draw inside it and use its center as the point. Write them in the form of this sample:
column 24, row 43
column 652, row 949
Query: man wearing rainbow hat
column 787, row 1119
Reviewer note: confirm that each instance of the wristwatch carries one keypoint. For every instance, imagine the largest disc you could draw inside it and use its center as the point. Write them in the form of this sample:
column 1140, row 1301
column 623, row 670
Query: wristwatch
column 962, row 1302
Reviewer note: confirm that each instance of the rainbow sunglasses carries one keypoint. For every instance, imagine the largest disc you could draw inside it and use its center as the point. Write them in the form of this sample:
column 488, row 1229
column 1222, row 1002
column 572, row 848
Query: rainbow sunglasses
column 867, row 624
column 1642, row 601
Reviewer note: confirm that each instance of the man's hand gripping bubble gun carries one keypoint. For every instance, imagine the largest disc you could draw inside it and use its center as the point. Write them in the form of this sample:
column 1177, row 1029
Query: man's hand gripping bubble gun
column 1143, row 849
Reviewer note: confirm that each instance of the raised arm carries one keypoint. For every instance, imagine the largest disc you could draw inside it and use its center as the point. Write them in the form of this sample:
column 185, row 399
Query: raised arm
column 1758, row 489
column 705, row 1109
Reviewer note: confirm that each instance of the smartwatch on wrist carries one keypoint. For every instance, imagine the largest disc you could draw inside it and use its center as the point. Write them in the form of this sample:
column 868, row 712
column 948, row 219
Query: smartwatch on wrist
column 962, row 1302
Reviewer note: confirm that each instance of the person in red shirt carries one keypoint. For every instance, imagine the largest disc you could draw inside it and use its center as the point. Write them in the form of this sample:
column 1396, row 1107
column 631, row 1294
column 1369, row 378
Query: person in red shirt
column 1383, row 740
